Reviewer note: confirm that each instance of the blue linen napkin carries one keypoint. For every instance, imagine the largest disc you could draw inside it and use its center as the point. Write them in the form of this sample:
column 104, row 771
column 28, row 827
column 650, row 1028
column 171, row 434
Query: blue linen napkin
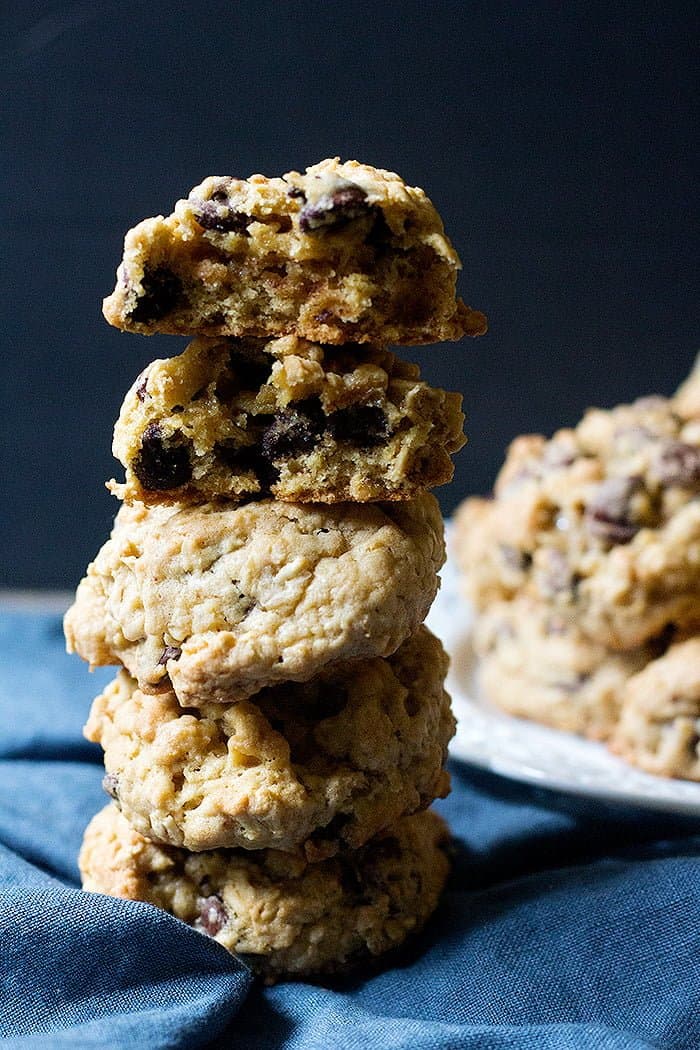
column 565, row 925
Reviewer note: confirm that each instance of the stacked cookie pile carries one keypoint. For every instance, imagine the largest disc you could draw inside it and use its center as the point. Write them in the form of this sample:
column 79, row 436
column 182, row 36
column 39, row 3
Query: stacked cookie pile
column 585, row 573
column 280, row 724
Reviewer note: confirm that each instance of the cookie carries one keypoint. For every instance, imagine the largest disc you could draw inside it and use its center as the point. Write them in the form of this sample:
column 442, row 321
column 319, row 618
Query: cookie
column 601, row 522
column 326, row 764
column 343, row 253
column 687, row 399
column 535, row 664
column 235, row 418
column 226, row 599
column 659, row 727
column 282, row 915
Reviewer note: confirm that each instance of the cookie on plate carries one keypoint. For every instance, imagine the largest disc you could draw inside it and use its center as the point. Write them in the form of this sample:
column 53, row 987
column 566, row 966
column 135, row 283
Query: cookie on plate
column 324, row 764
column 659, row 728
column 536, row 664
column 281, row 914
column 226, row 598
column 343, row 253
column 601, row 522
column 235, row 418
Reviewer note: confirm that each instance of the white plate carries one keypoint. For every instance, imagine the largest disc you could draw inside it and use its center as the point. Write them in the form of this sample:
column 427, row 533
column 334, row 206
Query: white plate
column 522, row 750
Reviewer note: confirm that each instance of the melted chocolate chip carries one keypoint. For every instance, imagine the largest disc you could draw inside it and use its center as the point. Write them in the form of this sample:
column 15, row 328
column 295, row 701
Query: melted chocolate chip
column 162, row 463
column 110, row 784
column 362, row 425
column 211, row 216
column 162, row 292
column 293, row 431
column 336, row 208
column 247, row 459
column 609, row 514
column 296, row 193
column 380, row 235
column 212, row 915
column 678, row 464
column 171, row 652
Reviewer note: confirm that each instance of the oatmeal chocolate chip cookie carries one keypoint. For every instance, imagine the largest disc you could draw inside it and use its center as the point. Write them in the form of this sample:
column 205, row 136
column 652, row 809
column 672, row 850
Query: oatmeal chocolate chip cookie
column 234, row 418
column 602, row 522
column 228, row 598
column 659, row 727
column 281, row 914
column 324, row 764
column 343, row 253
column 537, row 665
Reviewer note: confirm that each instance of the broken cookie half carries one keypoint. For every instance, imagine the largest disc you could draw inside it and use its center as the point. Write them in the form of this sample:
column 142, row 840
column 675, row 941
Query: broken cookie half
column 342, row 253
column 240, row 418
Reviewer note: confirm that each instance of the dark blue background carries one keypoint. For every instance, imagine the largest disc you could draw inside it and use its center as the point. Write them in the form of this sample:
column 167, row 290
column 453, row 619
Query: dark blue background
column 559, row 142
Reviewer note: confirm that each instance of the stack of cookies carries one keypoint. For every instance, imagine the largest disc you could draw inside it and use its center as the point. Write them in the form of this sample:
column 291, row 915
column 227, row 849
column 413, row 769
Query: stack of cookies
column 585, row 573
column 279, row 725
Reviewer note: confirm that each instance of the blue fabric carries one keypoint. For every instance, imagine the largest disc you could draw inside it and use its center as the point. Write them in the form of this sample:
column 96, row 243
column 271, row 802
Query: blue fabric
column 565, row 925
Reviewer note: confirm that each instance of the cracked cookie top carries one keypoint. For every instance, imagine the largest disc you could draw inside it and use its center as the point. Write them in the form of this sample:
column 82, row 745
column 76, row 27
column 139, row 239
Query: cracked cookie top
column 325, row 764
column 224, row 599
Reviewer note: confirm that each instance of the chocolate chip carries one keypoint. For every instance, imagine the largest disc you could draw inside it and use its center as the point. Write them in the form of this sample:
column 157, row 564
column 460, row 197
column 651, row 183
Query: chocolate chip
column 142, row 386
column 296, row 193
column 220, row 194
column 608, row 515
column 247, row 459
column 326, row 317
column 380, row 235
column 162, row 292
column 212, row 915
column 295, row 430
column 171, row 652
column 362, row 425
column 678, row 463
column 335, row 208
column 514, row 558
column 212, row 215
column 162, row 463
column 110, row 784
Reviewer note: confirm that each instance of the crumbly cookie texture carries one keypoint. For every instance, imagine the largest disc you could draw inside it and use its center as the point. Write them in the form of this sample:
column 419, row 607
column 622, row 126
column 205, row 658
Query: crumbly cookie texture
column 324, row 764
column 659, row 727
column 601, row 522
column 536, row 664
column 284, row 916
column 343, row 253
column 234, row 418
column 227, row 598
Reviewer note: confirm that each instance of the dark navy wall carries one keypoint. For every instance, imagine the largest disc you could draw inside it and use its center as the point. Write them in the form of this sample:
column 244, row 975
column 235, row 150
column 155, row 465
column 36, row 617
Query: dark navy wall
column 559, row 141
